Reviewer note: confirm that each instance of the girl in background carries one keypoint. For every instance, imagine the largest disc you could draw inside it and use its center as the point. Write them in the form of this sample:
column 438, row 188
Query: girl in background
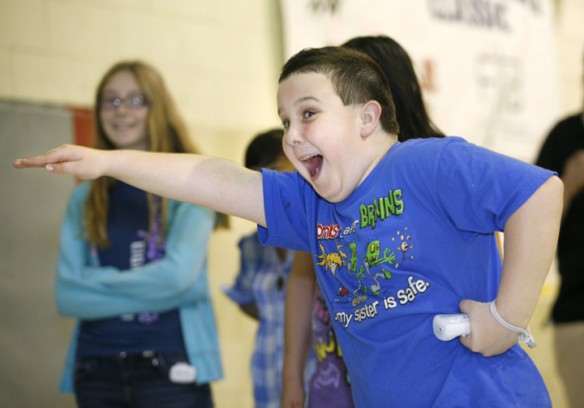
column 133, row 266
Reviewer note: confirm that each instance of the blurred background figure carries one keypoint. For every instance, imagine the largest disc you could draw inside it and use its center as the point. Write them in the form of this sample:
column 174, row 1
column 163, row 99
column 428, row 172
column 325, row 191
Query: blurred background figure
column 133, row 267
column 563, row 151
column 260, row 286
column 414, row 121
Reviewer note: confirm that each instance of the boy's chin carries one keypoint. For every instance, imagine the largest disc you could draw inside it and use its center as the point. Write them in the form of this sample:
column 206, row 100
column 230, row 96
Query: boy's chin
column 328, row 196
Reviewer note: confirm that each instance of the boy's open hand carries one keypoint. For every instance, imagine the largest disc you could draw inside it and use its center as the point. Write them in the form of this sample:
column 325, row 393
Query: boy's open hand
column 82, row 162
column 487, row 336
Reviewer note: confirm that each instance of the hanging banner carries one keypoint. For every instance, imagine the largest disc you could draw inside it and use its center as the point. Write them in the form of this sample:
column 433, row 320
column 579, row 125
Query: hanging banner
column 487, row 67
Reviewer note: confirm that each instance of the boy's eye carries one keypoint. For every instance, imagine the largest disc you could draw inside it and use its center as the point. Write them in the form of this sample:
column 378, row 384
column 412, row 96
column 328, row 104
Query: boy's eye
column 286, row 124
column 307, row 114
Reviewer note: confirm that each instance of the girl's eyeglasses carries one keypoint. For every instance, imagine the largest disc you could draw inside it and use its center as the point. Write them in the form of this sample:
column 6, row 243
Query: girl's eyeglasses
column 132, row 102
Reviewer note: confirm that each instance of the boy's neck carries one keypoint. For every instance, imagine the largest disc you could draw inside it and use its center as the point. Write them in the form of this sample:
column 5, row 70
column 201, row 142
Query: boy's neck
column 380, row 145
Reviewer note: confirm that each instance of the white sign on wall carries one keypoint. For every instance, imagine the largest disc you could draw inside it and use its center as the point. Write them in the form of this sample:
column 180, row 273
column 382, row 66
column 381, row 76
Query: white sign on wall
column 488, row 67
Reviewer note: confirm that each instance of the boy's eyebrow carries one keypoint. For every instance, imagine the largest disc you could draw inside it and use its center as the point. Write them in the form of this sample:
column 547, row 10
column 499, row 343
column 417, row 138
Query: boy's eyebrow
column 300, row 100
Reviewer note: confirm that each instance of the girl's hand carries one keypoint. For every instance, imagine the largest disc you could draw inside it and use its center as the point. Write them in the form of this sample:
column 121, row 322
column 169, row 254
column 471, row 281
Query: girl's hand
column 82, row 162
column 487, row 336
column 292, row 394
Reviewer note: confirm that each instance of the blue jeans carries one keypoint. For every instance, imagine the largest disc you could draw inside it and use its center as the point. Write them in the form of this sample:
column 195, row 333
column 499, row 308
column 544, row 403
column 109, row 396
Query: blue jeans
column 136, row 381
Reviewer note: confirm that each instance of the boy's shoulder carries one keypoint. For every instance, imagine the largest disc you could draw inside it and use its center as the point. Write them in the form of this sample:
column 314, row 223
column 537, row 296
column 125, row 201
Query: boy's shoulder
column 432, row 142
column 420, row 150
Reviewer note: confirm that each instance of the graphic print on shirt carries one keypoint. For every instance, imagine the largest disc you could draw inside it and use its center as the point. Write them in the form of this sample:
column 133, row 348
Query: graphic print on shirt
column 150, row 248
column 404, row 245
column 155, row 245
column 366, row 256
column 334, row 261
column 367, row 271
column 368, row 275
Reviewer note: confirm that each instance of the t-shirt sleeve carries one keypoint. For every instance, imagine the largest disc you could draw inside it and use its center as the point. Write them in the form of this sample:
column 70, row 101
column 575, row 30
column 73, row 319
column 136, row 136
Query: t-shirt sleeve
column 480, row 189
column 285, row 204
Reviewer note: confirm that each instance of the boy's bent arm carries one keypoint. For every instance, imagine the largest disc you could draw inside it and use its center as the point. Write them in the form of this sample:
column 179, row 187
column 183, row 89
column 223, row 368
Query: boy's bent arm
column 531, row 235
column 219, row 184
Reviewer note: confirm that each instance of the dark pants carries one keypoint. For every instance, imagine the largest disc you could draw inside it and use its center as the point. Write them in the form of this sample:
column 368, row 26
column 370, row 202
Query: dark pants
column 136, row 381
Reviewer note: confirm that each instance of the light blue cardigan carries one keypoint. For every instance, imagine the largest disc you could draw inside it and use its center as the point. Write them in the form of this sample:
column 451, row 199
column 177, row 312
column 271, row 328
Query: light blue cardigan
column 86, row 290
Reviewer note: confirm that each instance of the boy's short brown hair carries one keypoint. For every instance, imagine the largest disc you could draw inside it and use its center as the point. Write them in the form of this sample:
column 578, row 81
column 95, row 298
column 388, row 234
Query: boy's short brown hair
column 355, row 76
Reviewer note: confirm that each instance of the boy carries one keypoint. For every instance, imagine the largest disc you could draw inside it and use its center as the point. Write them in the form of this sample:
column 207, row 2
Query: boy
column 399, row 232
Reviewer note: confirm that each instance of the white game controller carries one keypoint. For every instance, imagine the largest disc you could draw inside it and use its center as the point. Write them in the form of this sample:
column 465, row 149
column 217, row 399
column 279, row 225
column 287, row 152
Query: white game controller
column 449, row 326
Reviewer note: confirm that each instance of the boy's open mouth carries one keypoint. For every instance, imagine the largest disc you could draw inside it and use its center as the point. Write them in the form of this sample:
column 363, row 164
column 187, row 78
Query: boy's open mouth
column 313, row 165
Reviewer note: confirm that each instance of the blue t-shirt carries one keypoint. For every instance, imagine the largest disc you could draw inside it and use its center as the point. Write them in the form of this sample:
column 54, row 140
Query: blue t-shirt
column 413, row 240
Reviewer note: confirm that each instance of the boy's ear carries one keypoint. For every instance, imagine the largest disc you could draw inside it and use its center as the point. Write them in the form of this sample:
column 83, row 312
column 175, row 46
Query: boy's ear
column 370, row 114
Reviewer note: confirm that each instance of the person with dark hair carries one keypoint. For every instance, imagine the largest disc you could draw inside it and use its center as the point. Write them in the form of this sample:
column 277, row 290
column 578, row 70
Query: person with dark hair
column 563, row 152
column 260, row 286
column 330, row 382
column 410, row 110
column 133, row 266
column 399, row 231
column 265, row 151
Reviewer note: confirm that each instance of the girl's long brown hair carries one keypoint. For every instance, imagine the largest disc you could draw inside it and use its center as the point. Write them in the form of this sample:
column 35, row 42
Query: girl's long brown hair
column 166, row 133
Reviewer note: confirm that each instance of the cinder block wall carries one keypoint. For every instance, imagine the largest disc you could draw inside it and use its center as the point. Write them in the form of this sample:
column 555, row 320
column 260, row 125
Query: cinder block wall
column 220, row 60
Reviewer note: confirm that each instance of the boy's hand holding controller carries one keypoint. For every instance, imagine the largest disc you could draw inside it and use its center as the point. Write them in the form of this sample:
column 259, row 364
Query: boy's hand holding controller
column 487, row 336
column 488, row 340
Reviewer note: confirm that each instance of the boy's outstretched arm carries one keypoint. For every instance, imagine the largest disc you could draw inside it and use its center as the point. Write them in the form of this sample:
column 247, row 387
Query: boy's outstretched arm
column 297, row 329
column 215, row 183
column 531, row 235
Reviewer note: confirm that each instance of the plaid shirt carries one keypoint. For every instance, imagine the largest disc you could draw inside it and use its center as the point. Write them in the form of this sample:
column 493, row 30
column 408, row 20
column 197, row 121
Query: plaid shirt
column 262, row 280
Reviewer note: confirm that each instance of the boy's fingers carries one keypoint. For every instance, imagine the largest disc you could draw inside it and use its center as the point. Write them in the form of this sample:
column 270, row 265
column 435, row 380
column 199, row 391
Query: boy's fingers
column 56, row 168
column 465, row 341
column 17, row 164
column 36, row 161
column 465, row 305
column 40, row 160
column 62, row 168
column 54, row 160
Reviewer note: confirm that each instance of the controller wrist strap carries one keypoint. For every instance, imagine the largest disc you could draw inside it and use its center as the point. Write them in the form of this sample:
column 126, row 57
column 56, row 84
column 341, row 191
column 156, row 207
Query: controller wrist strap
column 524, row 334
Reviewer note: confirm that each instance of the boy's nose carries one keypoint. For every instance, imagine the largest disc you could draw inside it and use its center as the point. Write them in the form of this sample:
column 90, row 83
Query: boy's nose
column 292, row 136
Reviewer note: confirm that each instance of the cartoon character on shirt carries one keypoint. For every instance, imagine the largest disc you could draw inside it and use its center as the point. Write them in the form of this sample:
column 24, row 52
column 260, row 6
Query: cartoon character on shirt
column 367, row 272
column 333, row 261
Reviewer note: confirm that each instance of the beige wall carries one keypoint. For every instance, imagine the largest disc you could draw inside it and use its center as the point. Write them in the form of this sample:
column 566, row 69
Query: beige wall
column 570, row 47
column 221, row 60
